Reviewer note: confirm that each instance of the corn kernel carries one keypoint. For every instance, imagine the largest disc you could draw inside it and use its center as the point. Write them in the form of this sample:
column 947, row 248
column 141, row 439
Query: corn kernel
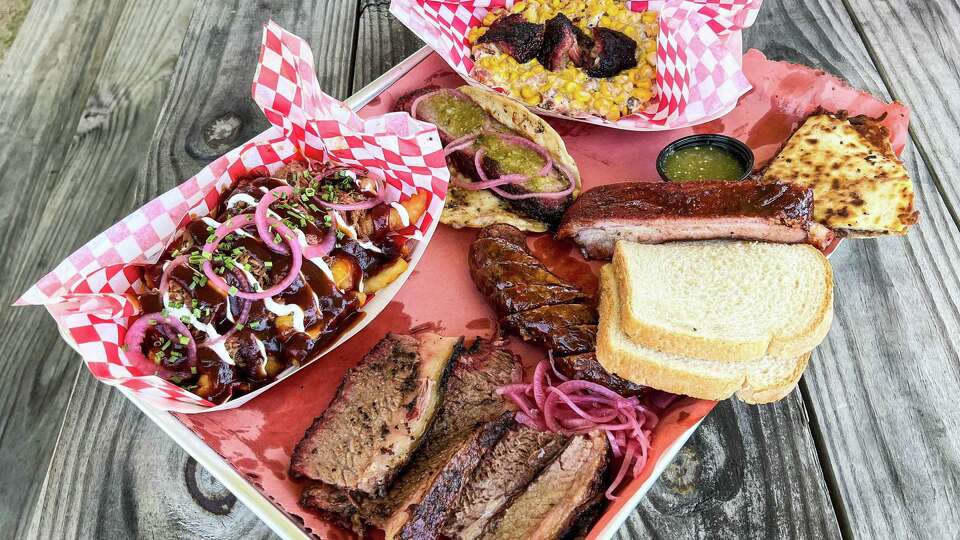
column 649, row 17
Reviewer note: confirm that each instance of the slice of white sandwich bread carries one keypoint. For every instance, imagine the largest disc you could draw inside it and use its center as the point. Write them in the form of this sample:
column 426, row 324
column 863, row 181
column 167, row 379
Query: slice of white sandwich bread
column 760, row 381
column 721, row 300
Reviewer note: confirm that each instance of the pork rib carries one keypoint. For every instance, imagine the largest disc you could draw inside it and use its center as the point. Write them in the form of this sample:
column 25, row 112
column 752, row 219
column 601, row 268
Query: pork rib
column 656, row 212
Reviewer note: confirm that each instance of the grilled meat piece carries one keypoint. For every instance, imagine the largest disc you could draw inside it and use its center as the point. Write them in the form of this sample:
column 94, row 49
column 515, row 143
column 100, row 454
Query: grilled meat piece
column 513, row 35
column 612, row 53
column 538, row 306
column 519, row 286
column 554, row 501
column 456, row 115
column 586, row 367
column 470, row 400
column 425, row 519
column 511, row 278
column 563, row 42
column 503, row 474
column 379, row 415
column 539, row 325
column 655, row 212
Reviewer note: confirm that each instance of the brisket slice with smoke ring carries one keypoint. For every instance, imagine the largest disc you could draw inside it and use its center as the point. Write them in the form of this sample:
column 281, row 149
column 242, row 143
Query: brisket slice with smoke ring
column 379, row 416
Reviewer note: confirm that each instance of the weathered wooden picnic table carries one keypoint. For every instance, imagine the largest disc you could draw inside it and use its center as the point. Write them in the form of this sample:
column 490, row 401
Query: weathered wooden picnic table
column 104, row 105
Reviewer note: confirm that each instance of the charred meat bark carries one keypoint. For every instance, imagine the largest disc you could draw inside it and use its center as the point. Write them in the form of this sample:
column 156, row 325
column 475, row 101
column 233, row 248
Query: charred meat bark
column 505, row 271
column 586, row 367
column 563, row 43
column 655, row 212
column 380, row 414
column 513, row 35
column 456, row 115
column 470, row 401
column 553, row 502
column 612, row 53
column 425, row 520
column 520, row 455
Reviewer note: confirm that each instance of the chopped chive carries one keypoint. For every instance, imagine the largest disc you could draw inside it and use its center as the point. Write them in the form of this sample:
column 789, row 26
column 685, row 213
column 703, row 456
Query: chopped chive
column 166, row 345
column 232, row 291
column 193, row 369
column 184, row 340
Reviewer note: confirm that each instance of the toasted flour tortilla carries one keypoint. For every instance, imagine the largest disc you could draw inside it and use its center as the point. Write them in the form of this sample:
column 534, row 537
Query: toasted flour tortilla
column 468, row 208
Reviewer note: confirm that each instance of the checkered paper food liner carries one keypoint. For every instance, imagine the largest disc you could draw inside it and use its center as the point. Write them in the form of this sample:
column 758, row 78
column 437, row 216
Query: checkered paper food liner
column 699, row 54
column 90, row 294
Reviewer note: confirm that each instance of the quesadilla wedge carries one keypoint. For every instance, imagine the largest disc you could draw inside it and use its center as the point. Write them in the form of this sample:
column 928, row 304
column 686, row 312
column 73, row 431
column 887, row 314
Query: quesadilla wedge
column 860, row 187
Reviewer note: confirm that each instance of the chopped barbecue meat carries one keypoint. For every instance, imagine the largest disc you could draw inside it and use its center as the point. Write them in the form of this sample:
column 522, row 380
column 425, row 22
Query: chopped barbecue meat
column 612, row 53
column 563, row 42
column 586, row 367
column 554, row 501
column 379, row 416
column 503, row 474
column 655, row 212
column 515, row 36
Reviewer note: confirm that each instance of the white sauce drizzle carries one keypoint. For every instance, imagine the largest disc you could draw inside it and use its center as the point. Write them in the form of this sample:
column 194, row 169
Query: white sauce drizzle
column 404, row 216
column 182, row 312
column 352, row 233
column 278, row 309
column 241, row 198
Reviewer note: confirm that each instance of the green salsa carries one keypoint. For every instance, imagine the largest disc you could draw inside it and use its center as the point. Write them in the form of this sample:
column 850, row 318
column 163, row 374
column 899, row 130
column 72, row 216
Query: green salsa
column 698, row 163
column 458, row 116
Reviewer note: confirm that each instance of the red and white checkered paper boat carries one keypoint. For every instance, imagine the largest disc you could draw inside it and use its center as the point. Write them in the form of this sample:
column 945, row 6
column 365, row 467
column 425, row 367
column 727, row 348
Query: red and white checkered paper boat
column 87, row 294
column 699, row 53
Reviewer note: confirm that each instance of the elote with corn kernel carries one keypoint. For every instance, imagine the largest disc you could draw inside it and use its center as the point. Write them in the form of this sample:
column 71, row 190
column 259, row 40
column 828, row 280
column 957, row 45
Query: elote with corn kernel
column 602, row 65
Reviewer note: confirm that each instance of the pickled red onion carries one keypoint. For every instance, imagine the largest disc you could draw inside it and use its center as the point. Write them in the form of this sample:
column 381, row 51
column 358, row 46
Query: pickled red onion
column 238, row 222
column 362, row 205
column 578, row 406
column 260, row 218
column 137, row 332
column 327, row 244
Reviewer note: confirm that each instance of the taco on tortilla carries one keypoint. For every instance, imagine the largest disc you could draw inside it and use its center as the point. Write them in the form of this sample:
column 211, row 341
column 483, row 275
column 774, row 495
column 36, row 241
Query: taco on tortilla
column 507, row 164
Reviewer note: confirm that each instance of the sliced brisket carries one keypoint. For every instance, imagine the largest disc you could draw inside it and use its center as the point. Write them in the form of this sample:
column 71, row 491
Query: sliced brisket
column 655, row 212
column 554, row 501
column 503, row 474
column 425, row 519
column 379, row 416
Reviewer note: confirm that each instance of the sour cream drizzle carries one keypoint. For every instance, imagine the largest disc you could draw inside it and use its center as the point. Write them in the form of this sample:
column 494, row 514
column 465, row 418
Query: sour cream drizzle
column 404, row 216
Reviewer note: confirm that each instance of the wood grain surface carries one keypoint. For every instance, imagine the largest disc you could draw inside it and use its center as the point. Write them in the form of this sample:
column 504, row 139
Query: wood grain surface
column 881, row 390
column 69, row 124
column 104, row 106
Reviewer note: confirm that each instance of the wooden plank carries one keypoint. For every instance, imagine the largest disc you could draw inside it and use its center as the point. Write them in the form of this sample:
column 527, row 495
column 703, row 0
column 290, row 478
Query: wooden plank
column 882, row 389
column 915, row 48
column 52, row 106
column 382, row 42
column 749, row 472
column 110, row 457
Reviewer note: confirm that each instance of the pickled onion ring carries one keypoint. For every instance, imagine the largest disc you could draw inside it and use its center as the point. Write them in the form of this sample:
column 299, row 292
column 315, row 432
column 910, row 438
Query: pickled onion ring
column 238, row 222
column 327, row 244
column 260, row 218
column 578, row 406
column 137, row 332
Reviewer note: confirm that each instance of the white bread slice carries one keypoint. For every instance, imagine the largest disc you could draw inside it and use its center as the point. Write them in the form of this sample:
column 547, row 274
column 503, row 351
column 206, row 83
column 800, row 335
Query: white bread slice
column 722, row 300
column 759, row 381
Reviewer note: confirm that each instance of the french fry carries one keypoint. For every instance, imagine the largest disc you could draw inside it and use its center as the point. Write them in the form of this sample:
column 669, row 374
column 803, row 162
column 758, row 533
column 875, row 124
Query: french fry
column 385, row 276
